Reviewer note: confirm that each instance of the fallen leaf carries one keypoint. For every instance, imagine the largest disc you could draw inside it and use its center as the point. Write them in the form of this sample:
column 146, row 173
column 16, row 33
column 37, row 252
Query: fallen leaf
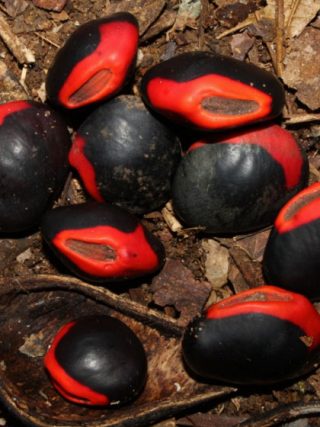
column 236, row 278
column 176, row 286
column 241, row 44
column 250, row 270
column 230, row 15
column 253, row 244
column 188, row 12
column 15, row 7
column 10, row 88
column 165, row 21
column 54, row 5
column 216, row 263
column 33, row 345
column 302, row 67
column 297, row 14
column 147, row 11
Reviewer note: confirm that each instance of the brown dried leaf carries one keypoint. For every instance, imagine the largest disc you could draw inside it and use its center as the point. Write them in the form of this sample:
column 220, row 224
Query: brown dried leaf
column 216, row 263
column 10, row 88
column 302, row 67
column 15, row 44
column 230, row 15
column 53, row 5
column 241, row 44
column 188, row 12
column 33, row 345
column 254, row 244
column 146, row 12
column 15, row 7
column 176, row 286
column 236, row 278
column 162, row 24
column 250, row 270
column 298, row 14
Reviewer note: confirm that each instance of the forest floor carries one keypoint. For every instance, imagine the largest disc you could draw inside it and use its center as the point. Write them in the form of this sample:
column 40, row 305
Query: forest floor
column 282, row 36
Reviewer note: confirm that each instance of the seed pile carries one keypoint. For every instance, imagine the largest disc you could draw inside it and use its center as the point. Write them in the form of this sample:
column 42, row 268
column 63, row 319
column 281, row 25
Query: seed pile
column 241, row 173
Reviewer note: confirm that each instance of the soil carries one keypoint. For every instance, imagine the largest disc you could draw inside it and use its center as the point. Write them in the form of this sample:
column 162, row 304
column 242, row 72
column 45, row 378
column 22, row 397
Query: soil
column 166, row 30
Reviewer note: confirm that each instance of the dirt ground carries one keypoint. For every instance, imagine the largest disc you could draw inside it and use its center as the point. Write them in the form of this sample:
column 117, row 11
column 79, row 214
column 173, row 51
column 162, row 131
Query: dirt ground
column 269, row 34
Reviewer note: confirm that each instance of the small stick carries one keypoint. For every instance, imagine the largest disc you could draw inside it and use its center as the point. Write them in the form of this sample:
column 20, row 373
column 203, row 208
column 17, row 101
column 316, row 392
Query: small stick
column 22, row 80
column 293, row 10
column 302, row 118
column 22, row 54
column 279, row 23
column 203, row 16
column 283, row 414
column 48, row 40
column 238, row 27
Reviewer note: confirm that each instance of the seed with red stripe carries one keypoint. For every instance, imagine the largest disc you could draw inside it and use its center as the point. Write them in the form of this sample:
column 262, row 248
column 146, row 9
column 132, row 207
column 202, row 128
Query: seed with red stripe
column 262, row 336
column 95, row 62
column 100, row 242
column 292, row 253
column 34, row 145
column 97, row 361
column 208, row 91
column 239, row 184
column 125, row 155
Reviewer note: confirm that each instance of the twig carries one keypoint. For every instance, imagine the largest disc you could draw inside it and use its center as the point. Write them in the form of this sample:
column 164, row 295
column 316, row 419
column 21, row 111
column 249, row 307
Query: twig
column 314, row 171
column 22, row 80
column 238, row 27
column 283, row 414
column 202, row 19
column 279, row 23
column 293, row 9
column 22, row 54
column 64, row 195
column 302, row 118
column 48, row 40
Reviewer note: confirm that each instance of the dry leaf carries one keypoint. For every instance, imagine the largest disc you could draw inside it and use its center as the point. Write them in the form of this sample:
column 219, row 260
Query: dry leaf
column 15, row 7
column 147, row 12
column 302, row 67
column 10, row 88
column 236, row 278
column 253, row 244
column 54, row 5
column 176, row 286
column 297, row 14
column 216, row 263
column 241, row 43
column 188, row 12
column 251, row 271
column 33, row 345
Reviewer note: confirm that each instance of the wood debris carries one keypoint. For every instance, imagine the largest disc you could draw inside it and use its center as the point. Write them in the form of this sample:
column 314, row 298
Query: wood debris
column 10, row 87
column 176, row 286
column 54, row 5
column 21, row 52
